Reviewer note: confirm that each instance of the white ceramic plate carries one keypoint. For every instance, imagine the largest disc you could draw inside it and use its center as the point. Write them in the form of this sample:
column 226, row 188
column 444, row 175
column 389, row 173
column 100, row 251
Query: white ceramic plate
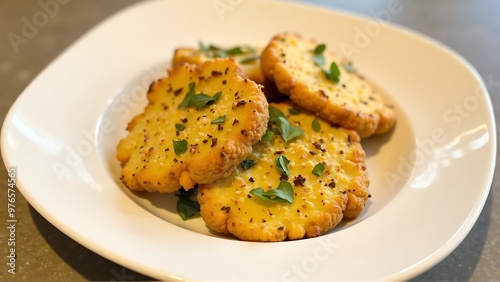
column 430, row 176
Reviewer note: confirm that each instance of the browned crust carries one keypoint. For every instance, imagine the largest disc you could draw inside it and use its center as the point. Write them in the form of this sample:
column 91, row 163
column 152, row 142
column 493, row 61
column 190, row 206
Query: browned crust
column 294, row 80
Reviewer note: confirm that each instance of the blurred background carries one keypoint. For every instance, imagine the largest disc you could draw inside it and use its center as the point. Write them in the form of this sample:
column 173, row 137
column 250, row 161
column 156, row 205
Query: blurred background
column 472, row 28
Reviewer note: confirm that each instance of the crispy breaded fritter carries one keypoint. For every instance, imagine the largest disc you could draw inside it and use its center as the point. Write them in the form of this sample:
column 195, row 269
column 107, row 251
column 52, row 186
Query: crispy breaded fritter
column 322, row 198
column 289, row 61
column 200, row 122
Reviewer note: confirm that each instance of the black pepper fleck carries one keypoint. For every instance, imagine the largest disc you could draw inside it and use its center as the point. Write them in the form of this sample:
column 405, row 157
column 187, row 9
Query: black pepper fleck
column 214, row 142
column 299, row 180
column 241, row 103
column 216, row 73
column 178, row 91
column 319, row 147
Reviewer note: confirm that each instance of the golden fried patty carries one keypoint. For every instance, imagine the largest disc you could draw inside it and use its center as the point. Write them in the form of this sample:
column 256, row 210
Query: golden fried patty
column 321, row 197
column 351, row 102
column 200, row 122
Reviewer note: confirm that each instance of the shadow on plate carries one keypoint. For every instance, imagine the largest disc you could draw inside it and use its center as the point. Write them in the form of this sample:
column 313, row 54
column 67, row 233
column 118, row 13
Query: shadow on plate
column 372, row 144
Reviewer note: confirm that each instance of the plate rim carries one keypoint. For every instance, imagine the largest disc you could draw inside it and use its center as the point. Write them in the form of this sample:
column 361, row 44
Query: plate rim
column 39, row 207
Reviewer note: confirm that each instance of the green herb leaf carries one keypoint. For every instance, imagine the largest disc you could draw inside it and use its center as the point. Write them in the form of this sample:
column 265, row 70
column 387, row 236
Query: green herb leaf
column 318, row 169
column 334, row 72
column 214, row 51
column 319, row 49
column 246, row 164
column 220, row 119
column 180, row 126
column 284, row 193
column 315, row 125
column 249, row 60
column 203, row 48
column 274, row 114
column 188, row 97
column 349, row 67
column 268, row 136
column 187, row 207
column 249, row 49
column 180, row 147
column 282, row 164
column 235, row 51
column 221, row 54
column 294, row 111
column 288, row 131
column 319, row 58
column 213, row 47
column 201, row 100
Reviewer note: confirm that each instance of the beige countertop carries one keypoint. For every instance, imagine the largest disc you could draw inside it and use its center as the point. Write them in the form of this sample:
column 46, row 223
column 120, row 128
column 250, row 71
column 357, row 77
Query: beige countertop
column 472, row 28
